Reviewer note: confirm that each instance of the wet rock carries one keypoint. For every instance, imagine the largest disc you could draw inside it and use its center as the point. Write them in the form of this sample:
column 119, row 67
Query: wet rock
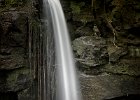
column 14, row 27
column 18, row 80
column 7, row 18
column 15, row 80
column 5, row 50
column 29, row 93
column 14, row 3
column 6, row 21
column 24, row 95
column 84, row 31
column 115, row 53
column 90, row 51
column 134, row 51
column 106, row 86
column 12, row 59
column 15, row 74
column 84, row 18
column 123, row 68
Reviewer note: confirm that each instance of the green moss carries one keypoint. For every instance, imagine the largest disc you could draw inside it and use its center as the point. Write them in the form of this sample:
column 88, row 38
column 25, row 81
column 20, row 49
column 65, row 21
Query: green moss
column 13, row 76
column 81, row 12
column 76, row 7
column 14, row 3
column 35, row 24
column 122, row 10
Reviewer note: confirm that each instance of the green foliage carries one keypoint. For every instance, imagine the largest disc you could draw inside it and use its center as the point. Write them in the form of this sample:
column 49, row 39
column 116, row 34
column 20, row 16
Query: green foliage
column 81, row 12
column 12, row 78
column 122, row 11
column 76, row 7
column 14, row 3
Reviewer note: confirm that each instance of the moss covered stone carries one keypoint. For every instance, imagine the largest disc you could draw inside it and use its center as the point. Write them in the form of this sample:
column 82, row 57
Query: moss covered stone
column 122, row 68
column 18, row 79
column 15, row 3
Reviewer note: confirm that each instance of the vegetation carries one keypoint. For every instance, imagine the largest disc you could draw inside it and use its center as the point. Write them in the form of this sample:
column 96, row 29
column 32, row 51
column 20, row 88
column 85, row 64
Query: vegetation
column 14, row 3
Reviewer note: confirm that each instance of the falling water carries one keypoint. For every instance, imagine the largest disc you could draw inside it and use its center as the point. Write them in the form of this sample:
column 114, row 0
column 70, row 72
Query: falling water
column 67, row 87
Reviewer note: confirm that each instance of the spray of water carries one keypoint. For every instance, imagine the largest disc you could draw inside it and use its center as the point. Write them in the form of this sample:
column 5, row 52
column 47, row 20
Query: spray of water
column 67, row 86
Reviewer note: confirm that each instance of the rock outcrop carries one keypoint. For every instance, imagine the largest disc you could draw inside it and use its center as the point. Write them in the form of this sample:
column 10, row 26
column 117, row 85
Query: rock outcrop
column 106, row 43
column 17, row 21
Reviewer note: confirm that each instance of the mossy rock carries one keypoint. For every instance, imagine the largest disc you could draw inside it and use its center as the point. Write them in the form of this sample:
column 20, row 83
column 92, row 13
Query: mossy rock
column 90, row 51
column 18, row 79
column 14, row 59
column 15, row 3
column 84, row 18
column 124, row 69
column 76, row 7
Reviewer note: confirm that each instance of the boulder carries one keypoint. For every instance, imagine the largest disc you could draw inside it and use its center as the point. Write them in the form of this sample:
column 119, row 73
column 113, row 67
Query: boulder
column 90, row 51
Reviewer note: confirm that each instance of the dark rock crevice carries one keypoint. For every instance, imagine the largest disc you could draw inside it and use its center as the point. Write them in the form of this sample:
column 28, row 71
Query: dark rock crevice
column 9, row 96
column 126, row 97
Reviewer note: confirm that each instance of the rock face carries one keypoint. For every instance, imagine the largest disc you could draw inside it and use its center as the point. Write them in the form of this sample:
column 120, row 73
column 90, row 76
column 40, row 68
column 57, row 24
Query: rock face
column 16, row 22
column 18, row 80
column 116, row 53
column 104, row 87
column 14, row 59
column 91, row 51
column 106, row 44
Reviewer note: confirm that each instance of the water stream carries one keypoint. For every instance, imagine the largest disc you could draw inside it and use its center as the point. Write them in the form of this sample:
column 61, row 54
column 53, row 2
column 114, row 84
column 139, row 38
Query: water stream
column 67, row 85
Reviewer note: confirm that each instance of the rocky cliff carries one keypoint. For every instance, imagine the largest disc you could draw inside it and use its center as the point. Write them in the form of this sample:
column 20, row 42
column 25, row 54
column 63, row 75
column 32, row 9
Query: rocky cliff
column 106, row 43
column 105, row 40
column 18, row 20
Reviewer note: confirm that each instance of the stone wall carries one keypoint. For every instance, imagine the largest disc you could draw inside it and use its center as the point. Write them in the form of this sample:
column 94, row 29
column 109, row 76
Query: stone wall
column 18, row 20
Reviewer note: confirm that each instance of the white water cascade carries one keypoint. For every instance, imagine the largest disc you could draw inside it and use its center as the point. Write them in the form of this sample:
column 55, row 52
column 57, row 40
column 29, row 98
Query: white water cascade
column 67, row 85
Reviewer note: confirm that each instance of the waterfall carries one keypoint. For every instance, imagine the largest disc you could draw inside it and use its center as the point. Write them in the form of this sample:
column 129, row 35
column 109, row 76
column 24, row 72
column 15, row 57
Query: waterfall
column 67, row 86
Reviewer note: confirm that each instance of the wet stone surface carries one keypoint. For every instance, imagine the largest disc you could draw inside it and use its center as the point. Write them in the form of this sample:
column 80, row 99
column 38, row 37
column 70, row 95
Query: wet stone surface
column 90, row 51
column 107, row 86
